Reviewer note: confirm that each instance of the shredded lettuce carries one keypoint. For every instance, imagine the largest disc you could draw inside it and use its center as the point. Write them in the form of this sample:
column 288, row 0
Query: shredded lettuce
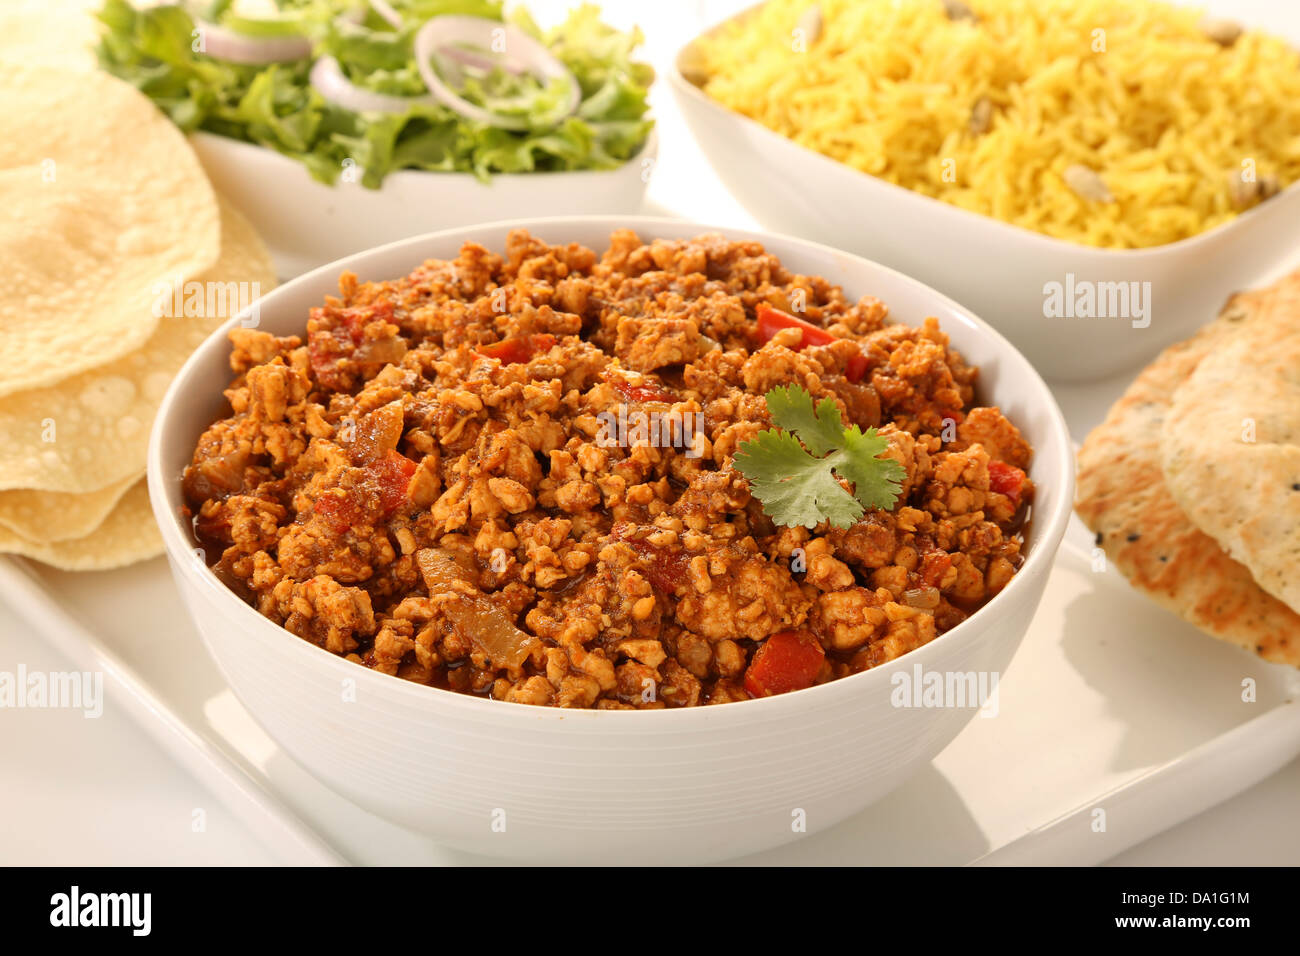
column 265, row 17
column 275, row 106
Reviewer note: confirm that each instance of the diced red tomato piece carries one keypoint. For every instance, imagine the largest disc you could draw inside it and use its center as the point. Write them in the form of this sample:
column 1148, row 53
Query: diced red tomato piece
column 388, row 477
column 339, row 510
column 325, row 354
column 771, row 321
column 391, row 476
column 354, row 323
column 934, row 566
column 664, row 568
column 786, row 661
column 644, row 393
column 329, row 349
column 521, row 348
column 1007, row 480
column 639, row 393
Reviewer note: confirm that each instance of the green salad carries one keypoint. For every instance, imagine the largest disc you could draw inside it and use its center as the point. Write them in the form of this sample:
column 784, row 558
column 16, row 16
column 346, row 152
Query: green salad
column 335, row 84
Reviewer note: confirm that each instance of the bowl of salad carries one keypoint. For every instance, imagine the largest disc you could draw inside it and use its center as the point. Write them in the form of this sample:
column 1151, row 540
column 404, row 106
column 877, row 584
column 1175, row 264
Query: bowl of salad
column 338, row 125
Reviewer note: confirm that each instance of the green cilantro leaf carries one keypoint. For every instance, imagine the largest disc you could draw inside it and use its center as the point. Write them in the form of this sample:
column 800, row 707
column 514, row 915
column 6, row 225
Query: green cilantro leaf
column 797, row 483
column 794, row 487
column 820, row 429
column 877, row 482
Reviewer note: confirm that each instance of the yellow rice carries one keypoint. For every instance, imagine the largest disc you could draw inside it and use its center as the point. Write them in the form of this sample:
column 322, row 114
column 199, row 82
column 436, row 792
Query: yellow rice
column 1132, row 89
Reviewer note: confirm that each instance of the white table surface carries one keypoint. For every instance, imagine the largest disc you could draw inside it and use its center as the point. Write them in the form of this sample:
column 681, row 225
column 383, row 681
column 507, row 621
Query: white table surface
column 77, row 791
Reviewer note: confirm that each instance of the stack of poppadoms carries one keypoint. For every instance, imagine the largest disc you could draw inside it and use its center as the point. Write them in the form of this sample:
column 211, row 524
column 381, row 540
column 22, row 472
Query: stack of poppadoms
column 106, row 211
column 1192, row 483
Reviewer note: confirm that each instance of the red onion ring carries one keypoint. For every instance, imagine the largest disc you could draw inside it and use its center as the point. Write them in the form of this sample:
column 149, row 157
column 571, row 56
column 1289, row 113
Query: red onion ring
column 385, row 12
column 469, row 58
column 524, row 55
column 221, row 43
column 327, row 78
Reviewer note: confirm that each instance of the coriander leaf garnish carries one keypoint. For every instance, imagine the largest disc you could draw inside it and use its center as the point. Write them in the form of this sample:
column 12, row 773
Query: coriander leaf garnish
column 820, row 429
column 796, row 483
column 794, row 487
column 877, row 482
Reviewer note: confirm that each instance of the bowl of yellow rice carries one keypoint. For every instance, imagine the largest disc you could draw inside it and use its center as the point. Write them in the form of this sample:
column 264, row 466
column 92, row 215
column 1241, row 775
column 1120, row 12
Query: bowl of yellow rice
column 1093, row 177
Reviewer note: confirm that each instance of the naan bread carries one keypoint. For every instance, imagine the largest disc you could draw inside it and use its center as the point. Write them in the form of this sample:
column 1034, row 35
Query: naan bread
column 1231, row 441
column 1123, row 497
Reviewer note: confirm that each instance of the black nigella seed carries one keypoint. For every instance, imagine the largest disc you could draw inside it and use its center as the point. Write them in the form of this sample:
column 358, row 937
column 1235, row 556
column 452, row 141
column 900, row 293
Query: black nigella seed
column 1133, row 537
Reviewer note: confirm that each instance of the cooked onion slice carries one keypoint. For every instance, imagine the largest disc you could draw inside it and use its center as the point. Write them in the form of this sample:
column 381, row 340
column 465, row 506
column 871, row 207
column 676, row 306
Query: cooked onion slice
column 328, row 79
column 222, row 43
column 473, row 614
column 523, row 54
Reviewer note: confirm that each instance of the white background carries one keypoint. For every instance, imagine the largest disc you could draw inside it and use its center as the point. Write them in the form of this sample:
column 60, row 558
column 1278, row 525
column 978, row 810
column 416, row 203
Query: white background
column 94, row 792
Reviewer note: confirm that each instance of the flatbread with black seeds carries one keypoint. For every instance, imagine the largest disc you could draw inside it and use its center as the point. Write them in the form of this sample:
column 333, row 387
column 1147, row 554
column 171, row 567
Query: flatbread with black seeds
column 1122, row 496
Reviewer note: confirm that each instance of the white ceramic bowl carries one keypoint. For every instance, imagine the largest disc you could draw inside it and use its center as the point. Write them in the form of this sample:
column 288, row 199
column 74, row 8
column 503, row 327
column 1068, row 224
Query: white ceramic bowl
column 997, row 270
column 306, row 224
column 679, row 786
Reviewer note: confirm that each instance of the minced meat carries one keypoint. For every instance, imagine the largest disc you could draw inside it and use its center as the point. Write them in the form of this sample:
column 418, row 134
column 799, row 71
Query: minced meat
column 426, row 483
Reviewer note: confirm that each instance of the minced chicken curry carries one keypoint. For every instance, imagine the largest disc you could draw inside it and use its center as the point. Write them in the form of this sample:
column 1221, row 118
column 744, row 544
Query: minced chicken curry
column 515, row 476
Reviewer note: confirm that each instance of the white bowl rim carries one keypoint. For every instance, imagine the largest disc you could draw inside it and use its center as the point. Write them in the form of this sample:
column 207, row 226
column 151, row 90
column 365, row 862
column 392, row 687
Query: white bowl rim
column 179, row 543
column 686, row 88
column 649, row 150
